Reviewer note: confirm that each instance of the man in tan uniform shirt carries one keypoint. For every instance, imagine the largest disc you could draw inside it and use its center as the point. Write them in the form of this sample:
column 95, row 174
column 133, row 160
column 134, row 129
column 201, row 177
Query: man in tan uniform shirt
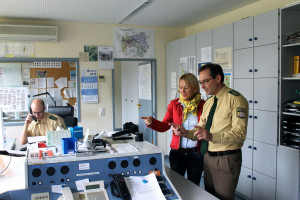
column 222, row 163
column 45, row 121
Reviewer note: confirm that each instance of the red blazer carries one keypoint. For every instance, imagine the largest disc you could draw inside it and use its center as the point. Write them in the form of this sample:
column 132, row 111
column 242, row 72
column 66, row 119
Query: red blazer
column 173, row 115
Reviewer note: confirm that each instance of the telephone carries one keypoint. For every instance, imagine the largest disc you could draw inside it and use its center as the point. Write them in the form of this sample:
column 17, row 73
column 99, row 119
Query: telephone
column 95, row 190
column 119, row 188
column 32, row 117
column 68, row 195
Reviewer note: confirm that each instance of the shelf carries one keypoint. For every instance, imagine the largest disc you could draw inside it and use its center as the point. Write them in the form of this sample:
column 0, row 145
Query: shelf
column 291, row 78
column 293, row 114
column 291, row 45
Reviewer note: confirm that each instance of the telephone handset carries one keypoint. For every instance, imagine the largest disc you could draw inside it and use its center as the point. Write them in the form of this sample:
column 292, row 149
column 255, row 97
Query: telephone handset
column 119, row 188
column 67, row 194
column 32, row 117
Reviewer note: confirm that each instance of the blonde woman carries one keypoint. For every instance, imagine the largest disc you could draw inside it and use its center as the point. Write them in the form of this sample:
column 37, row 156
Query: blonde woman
column 185, row 111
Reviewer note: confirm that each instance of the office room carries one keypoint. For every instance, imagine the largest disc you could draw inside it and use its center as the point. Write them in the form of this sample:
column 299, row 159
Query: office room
column 270, row 167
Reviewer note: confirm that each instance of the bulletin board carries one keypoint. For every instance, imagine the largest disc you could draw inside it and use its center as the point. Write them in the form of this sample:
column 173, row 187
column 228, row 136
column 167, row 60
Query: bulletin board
column 65, row 71
column 21, row 73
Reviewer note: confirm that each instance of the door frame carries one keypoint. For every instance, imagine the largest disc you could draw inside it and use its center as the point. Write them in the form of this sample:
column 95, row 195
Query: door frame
column 153, row 89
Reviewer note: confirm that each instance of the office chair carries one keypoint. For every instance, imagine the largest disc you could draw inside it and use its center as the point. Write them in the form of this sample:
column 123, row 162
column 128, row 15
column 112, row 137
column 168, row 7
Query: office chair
column 65, row 112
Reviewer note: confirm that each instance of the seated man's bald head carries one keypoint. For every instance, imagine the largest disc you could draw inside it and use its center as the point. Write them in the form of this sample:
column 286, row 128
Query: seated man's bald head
column 38, row 108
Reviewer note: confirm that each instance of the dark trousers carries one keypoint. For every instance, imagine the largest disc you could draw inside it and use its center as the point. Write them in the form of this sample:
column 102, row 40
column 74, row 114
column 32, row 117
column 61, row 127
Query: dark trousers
column 192, row 163
column 221, row 175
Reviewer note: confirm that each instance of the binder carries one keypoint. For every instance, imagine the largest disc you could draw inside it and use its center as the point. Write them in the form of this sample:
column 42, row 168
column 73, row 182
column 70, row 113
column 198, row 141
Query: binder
column 296, row 65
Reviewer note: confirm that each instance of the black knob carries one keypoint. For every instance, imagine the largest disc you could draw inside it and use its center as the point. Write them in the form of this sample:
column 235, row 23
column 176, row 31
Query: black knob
column 250, row 116
column 136, row 162
column 250, row 70
column 36, row 172
column 255, row 38
column 249, row 176
column 50, row 171
column 250, row 39
column 112, row 165
column 255, row 70
column 250, row 147
column 64, row 169
column 254, row 178
column 152, row 161
column 254, row 148
column 250, row 101
column 124, row 164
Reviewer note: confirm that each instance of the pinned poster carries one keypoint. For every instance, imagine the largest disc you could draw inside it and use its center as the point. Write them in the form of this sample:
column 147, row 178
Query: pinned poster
column 89, row 86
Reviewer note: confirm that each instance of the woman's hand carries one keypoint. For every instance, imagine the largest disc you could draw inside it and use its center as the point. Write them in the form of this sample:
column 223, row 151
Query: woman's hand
column 148, row 120
column 179, row 130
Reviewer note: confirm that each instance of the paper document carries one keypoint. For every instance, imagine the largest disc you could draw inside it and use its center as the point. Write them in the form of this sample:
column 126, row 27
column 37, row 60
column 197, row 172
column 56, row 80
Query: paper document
column 123, row 148
column 36, row 139
column 144, row 187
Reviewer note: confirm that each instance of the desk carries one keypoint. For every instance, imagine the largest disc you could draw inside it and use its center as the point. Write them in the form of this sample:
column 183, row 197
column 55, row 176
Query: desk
column 186, row 189
column 13, row 178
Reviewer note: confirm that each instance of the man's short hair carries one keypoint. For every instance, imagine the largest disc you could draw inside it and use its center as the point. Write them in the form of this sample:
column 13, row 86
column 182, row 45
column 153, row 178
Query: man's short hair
column 39, row 101
column 214, row 69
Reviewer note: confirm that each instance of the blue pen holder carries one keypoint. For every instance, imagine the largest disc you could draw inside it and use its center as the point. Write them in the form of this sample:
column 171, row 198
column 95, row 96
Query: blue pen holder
column 76, row 131
column 69, row 144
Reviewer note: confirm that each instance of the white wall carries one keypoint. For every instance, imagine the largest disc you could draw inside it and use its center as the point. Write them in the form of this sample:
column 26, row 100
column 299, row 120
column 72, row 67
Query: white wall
column 71, row 40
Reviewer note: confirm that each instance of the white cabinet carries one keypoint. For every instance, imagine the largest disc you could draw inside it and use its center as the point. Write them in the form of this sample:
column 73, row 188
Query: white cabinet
column 255, row 75
column 247, row 32
column 172, row 63
column 287, row 174
column 187, row 46
column 244, row 187
column 263, row 187
column 223, row 38
column 257, row 178
column 203, row 40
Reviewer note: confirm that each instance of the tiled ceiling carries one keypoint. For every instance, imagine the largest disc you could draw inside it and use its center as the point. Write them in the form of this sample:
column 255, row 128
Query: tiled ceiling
column 178, row 13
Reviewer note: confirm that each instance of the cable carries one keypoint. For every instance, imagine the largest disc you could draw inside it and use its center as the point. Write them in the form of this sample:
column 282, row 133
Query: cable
column 6, row 166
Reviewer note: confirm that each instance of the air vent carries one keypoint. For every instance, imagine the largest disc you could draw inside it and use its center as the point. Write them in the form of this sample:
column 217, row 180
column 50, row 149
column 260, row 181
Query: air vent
column 28, row 33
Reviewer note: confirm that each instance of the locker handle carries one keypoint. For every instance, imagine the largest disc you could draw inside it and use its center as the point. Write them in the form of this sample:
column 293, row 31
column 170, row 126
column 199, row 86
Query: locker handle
column 254, row 148
column 255, row 117
column 250, row 147
column 249, row 176
column 250, row 70
column 255, row 38
column 255, row 101
column 255, row 70
column 250, row 101
column 250, row 39
column 250, row 116
column 253, row 178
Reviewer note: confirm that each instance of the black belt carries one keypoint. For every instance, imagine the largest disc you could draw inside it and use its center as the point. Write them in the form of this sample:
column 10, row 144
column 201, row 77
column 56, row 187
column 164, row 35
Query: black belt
column 224, row 153
column 188, row 150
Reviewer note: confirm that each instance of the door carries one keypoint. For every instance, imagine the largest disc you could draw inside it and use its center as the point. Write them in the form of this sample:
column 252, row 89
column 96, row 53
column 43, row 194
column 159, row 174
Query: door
column 145, row 99
column 134, row 95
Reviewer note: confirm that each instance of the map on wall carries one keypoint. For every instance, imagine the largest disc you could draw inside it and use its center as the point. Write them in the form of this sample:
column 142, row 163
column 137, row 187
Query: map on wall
column 133, row 43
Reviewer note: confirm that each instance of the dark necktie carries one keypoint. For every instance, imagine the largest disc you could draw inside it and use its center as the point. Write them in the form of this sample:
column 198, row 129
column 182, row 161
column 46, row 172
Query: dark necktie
column 204, row 143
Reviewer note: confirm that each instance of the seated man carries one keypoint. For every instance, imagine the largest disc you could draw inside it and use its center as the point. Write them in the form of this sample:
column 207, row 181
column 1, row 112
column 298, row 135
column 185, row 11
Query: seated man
column 44, row 121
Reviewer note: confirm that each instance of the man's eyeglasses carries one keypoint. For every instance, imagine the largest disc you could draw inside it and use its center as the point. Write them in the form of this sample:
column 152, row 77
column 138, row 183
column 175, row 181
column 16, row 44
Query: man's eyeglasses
column 205, row 82
column 37, row 113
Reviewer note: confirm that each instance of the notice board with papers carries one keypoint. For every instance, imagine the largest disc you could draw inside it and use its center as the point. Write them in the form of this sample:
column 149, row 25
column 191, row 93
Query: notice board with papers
column 41, row 78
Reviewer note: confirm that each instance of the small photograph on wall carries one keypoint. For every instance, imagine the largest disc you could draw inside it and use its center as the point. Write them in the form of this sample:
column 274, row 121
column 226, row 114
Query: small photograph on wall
column 41, row 73
column 93, row 52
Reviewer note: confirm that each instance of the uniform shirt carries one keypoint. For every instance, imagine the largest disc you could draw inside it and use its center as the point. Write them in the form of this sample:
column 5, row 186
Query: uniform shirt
column 229, row 125
column 49, row 123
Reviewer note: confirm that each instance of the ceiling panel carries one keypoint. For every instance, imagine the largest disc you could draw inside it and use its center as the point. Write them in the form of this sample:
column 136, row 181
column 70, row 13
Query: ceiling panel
column 180, row 13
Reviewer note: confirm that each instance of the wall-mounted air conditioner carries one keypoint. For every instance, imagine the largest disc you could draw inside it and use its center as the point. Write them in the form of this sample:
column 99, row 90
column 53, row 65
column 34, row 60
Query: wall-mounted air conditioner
column 28, row 33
